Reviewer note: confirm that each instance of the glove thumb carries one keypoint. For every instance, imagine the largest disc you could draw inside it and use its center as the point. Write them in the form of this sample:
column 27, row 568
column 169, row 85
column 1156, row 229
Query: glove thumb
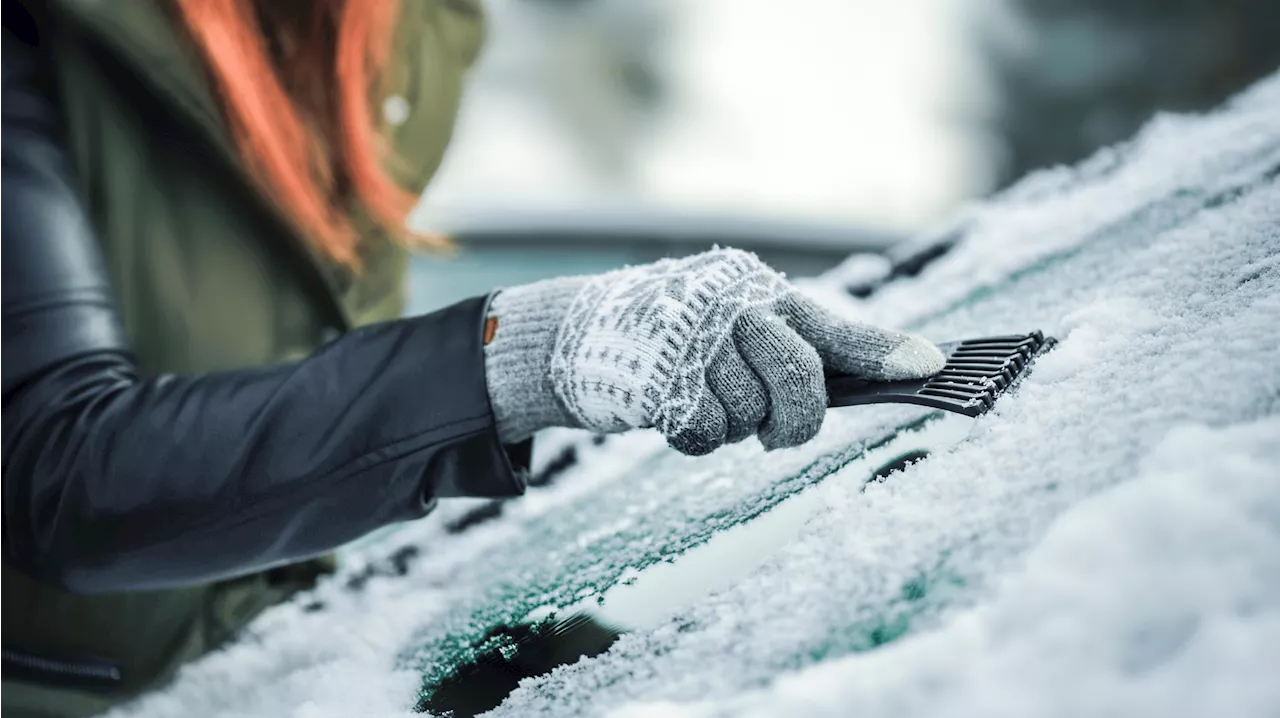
column 849, row 347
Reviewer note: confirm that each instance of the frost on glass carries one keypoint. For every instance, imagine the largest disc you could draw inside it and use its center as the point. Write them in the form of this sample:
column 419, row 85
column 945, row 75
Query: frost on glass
column 1104, row 542
column 1157, row 265
column 653, row 512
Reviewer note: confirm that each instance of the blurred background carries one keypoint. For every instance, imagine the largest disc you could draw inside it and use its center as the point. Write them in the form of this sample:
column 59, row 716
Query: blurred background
column 597, row 133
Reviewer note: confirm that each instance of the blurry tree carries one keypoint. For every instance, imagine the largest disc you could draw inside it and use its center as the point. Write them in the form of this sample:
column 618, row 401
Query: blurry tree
column 1073, row 75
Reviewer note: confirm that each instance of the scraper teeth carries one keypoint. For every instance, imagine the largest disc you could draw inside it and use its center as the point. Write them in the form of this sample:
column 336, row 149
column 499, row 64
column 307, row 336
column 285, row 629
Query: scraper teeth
column 941, row 391
column 1028, row 342
column 955, row 372
column 996, row 346
column 985, row 380
column 979, row 355
column 966, row 361
column 1006, row 339
column 977, row 371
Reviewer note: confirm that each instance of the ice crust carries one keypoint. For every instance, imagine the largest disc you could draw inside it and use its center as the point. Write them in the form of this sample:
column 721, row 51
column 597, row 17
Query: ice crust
column 1106, row 541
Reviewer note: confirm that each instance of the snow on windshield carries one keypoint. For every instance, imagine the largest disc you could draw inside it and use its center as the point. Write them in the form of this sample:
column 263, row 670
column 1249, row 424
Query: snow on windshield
column 1106, row 541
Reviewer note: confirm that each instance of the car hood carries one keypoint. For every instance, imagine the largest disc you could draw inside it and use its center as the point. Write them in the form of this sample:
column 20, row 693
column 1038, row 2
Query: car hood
column 1106, row 540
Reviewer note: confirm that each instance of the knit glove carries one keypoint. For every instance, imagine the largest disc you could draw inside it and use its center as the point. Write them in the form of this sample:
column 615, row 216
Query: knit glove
column 708, row 350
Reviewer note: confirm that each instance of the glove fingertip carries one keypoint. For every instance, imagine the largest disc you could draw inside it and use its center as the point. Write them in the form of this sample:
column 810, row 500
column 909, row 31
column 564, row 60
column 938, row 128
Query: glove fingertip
column 914, row 358
column 692, row 444
column 699, row 439
column 793, row 434
column 703, row 432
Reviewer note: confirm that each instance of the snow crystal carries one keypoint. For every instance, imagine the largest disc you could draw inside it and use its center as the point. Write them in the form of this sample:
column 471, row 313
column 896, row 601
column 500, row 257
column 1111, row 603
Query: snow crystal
column 1105, row 541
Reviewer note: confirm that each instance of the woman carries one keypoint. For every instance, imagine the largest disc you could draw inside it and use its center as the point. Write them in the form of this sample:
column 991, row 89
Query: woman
column 203, row 200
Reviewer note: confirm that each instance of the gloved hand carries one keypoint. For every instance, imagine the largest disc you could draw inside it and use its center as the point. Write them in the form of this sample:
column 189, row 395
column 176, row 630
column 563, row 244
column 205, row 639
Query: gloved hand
column 708, row 349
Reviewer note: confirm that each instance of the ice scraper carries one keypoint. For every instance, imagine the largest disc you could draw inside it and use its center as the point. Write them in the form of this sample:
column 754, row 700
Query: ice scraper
column 976, row 373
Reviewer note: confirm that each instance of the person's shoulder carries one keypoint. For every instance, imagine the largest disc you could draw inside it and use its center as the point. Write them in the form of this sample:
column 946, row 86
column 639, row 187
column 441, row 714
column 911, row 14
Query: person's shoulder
column 458, row 24
column 436, row 42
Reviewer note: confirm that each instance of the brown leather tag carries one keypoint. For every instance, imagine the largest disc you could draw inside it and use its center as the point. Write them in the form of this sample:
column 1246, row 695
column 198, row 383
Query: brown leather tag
column 490, row 328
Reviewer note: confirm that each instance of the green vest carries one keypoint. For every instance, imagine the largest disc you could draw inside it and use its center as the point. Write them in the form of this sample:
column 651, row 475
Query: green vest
column 209, row 276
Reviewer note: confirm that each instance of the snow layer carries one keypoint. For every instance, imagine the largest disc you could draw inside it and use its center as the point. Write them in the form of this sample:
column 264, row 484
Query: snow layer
column 1159, row 597
column 1105, row 542
column 1158, row 266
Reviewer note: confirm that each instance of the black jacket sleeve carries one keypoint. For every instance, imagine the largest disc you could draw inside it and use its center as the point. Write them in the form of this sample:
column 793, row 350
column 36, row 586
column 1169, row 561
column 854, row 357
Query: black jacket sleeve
column 116, row 481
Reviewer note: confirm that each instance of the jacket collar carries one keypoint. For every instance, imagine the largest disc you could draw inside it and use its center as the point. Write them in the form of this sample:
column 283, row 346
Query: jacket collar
column 142, row 33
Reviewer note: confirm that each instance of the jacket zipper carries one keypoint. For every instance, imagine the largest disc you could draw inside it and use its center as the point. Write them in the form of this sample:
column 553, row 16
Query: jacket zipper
column 82, row 673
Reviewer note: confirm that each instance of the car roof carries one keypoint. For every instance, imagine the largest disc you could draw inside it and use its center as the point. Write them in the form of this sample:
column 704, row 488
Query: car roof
column 1105, row 537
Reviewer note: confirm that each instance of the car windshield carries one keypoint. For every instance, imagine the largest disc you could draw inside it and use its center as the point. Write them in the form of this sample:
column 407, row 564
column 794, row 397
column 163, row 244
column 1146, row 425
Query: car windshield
column 904, row 561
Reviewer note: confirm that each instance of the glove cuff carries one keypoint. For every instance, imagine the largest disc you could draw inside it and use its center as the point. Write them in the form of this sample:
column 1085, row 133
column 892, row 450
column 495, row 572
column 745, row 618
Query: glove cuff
column 517, row 358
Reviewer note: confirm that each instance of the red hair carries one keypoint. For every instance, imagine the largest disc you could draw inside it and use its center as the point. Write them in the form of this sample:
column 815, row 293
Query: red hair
column 304, row 123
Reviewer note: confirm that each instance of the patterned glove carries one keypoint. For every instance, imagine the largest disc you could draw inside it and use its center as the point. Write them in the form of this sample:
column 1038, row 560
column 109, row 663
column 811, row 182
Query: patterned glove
column 708, row 349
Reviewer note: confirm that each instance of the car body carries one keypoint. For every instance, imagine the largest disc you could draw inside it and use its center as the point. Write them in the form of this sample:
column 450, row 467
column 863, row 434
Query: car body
column 1105, row 541
column 507, row 245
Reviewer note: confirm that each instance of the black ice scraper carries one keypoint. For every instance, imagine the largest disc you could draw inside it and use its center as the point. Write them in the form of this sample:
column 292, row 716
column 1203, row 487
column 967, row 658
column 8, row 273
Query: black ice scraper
column 977, row 371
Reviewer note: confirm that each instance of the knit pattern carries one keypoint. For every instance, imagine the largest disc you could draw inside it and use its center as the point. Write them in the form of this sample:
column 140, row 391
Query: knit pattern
column 518, row 360
column 635, row 346
column 708, row 349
